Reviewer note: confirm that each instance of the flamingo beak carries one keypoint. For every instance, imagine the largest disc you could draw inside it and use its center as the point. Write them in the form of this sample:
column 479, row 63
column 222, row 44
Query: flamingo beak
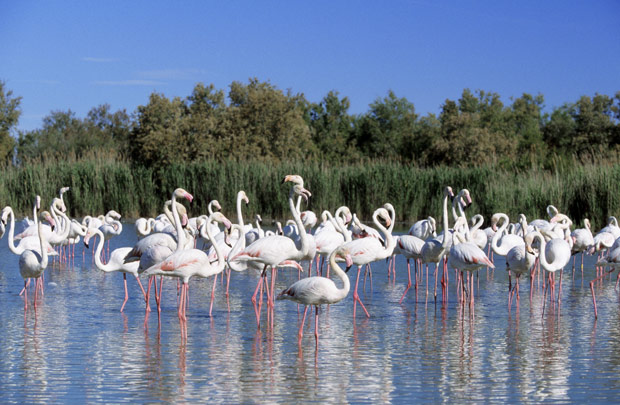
column 349, row 262
column 305, row 194
column 184, row 220
column 189, row 197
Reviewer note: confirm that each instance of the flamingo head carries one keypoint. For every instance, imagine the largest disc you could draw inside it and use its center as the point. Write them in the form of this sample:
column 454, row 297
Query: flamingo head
column 87, row 237
column 46, row 216
column 181, row 193
column 244, row 197
column 385, row 215
column 448, row 192
column 4, row 215
column 465, row 197
column 64, row 190
column 216, row 205
column 342, row 253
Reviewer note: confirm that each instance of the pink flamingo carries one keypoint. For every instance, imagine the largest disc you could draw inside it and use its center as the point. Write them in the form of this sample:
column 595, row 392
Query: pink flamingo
column 320, row 290
column 186, row 263
column 32, row 263
column 367, row 250
column 116, row 262
column 271, row 251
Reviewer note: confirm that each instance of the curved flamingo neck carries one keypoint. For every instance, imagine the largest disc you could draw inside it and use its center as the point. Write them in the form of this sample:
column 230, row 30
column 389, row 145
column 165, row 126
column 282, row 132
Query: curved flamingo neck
column 446, row 231
column 43, row 262
column 301, row 230
column 178, row 225
column 12, row 246
column 390, row 243
column 99, row 249
column 344, row 291
column 239, row 213
column 221, row 261
column 499, row 233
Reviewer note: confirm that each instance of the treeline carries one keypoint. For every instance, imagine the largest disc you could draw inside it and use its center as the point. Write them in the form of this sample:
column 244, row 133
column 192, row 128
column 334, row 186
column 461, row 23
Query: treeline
column 259, row 122
column 101, row 183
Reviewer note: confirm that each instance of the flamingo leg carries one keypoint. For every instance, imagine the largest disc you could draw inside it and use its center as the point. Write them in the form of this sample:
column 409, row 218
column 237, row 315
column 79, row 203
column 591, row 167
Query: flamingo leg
column 126, row 293
column 316, row 325
column 592, row 289
column 409, row 282
column 143, row 292
column 300, row 334
column 356, row 297
column 212, row 294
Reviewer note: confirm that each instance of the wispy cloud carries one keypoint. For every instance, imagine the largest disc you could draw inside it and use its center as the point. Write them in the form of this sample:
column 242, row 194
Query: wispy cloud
column 40, row 81
column 172, row 74
column 99, row 60
column 128, row 83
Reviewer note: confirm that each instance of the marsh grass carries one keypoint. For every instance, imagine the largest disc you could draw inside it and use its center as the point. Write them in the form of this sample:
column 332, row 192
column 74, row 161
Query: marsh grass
column 101, row 183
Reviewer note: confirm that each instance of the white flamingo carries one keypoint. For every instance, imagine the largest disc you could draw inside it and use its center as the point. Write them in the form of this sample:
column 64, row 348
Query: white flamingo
column 274, row 250
column 320, row 290
column 32, row 263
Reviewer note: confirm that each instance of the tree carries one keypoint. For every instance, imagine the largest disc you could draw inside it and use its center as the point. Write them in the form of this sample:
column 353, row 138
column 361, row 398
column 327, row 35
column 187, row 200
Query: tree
column 331, row 127
column 157, row 138
column 386, row 128
column 473, row 131
column 112, row 130
column 203, row 118
column 264, row 123
column 526, row 123
column 9, row 117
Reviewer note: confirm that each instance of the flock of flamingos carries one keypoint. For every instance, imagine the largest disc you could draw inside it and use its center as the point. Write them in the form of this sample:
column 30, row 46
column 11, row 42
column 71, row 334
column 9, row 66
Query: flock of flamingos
column 168, row 247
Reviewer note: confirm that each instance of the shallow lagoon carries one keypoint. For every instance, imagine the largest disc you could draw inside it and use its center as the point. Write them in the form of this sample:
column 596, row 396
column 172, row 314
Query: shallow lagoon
column 77, row 346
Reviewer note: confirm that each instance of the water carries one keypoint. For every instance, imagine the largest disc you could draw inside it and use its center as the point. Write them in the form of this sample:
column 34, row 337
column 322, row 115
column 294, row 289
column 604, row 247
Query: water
column 77, row 346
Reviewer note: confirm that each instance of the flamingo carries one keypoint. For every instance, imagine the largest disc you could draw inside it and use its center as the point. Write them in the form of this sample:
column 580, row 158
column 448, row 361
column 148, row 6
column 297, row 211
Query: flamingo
column 320, row 290
column 519, row 260
column 411, row 247
column 367, row 250
column 115, row 262
column 155, row 247
column 612, row 259
column 32, row 263
column 467, row 256
column 186, row 263
column 273, row 250
column 434, row 249
column 328, row 238
column 582, row 240
column 28, row 243
column 502, row 243
column 555, row 254
column 424, row 228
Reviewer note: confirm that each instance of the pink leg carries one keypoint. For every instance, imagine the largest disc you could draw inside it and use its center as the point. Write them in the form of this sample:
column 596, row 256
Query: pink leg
column 212, row 294
column 356, row 297
column 409, row 283
column 300, row 334
column 143, row 292
column 126, row 293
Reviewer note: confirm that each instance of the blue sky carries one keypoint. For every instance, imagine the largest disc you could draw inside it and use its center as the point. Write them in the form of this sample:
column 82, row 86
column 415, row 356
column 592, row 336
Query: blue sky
column 61, row 55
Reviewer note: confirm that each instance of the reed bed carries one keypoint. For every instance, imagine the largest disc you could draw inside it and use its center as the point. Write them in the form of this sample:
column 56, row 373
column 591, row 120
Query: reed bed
column 98, row 185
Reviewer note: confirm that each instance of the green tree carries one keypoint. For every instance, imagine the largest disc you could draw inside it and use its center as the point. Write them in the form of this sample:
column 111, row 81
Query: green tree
column 526, row 121
column 331, row 127
column 386, row 129
column 203, row 119
column 474, row 131
column 9, row 117
column 111, row 130
column 264, row 123
column 157, row 137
